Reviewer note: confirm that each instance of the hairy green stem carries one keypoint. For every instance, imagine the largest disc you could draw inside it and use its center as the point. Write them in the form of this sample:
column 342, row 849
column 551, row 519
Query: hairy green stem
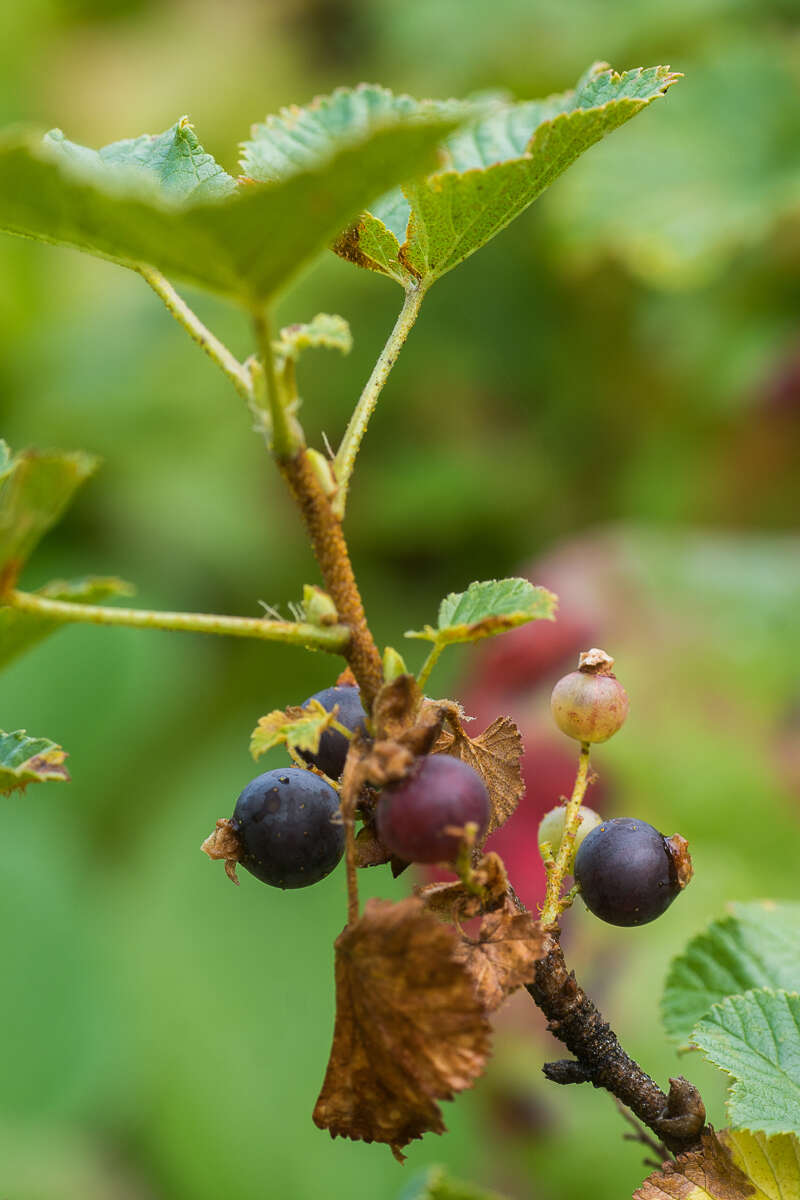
column 333, row 638
column 284, row 441
column 357, row 427
column 214, row 348
column 555, row 876
column 430, row 663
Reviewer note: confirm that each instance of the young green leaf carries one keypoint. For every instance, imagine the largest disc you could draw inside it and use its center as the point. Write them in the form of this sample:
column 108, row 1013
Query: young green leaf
column 136, row 205
column 25, row 760
column 298, row 728
column 492, row 172
column 35, row 488
column 19, row 631
column 487, row 608
column 732, row 1165
column 756, row 1039
column 324, row 331
column 759, row 946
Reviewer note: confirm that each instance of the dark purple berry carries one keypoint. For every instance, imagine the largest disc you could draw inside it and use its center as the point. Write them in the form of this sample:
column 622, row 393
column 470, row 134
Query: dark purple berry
column 288, row 828
column 333, row 745
column 590, row 704
column 440, row 792
column 629, row 873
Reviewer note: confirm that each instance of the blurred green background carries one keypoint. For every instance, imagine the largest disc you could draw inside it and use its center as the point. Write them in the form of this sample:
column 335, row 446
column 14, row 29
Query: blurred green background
column 620, row 368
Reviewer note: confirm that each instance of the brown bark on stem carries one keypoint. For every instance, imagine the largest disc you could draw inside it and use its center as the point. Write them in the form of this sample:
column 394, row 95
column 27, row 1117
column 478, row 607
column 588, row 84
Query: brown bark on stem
column 330, row 548
column 677, row 1118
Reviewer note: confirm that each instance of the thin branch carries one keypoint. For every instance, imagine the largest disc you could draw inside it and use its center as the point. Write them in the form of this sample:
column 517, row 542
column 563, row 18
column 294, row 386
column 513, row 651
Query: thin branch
column 214, row 348
column 430, row 663
column 333, row 638
column 284, row 441
column 357, row 427
column 555, row 875
column 677, row 1118
column 644, row 1139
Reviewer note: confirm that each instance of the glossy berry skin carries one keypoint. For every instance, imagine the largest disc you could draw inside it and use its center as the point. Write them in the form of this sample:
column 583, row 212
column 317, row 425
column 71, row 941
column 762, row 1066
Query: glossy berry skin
column 440, row 791
column 626, row 872
column 588, row 707
column 284, row 821
column 333, row 745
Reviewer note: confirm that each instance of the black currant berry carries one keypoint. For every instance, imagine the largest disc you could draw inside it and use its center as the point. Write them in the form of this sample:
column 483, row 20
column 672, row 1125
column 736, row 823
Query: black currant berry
column 590, row 704
column 629, row 873
column 286, row 824
column 440, row 792
column 333, row 745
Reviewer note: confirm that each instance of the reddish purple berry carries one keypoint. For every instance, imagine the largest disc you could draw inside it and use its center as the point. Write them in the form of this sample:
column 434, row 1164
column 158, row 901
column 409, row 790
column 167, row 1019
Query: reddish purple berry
column 440, row 793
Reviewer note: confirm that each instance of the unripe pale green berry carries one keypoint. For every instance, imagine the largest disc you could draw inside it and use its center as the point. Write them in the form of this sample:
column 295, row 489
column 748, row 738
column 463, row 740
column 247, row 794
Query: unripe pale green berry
column 590, row 704
column 551, row 830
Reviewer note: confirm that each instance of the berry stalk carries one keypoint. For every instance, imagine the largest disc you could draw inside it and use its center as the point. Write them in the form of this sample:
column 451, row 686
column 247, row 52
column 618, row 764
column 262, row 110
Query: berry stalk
column 552, row 908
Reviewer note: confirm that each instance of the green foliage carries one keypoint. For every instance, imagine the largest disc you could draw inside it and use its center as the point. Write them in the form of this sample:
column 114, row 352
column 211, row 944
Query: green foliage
column 492, row 172
column 298, row 728
column 755, row 1037
column 25, row 760
column 326, row 331
column 772, row 1164
column 436, row 1184
column 487, row 608
column 759, row 946
column 134, row 201
column 35, row 488
column 20, row 631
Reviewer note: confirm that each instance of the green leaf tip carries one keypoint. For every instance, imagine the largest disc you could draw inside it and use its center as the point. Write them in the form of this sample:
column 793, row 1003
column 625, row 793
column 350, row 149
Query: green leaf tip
column 488, row 608
column 25, row 760
column 758, row 945
column 755, row 1038
column 492, row 169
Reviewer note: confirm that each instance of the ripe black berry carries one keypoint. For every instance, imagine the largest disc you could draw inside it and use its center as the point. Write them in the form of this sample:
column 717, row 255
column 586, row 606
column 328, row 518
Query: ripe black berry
column 333, row 745
column 590, row 704
column 440, row 792
column 629, row 873
column 285, row 823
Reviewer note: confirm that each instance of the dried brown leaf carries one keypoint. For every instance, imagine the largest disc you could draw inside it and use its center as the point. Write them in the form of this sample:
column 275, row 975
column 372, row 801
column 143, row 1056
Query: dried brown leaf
column 369, row 850
column 456, row 902
column 421, row 737
column 409, row 1027
column 396, row 707
column 707, row 1174
column 385, row 762
column 495, row 754
column 503, row 955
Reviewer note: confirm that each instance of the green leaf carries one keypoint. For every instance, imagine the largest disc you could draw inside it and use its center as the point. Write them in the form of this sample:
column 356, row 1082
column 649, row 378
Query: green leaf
column 138, row 205
column 172, row 166
column 485, row 609
column 324, row 331
column 493, row 170
column 731, row 1165
column 436, row 1184
column 756, row 1039
column 759, row 946
column 298, row 728
column 25, row 760
column 19, row 631
column 35, row 488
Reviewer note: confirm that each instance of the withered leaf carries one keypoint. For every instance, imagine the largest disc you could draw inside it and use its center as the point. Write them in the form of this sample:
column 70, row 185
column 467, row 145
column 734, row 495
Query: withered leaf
column 707, row 1174
column 369, row 850
column 455, row 901
column 396, row 707
column 384, row 762
column 409, row 1030
column 503, row 955
column 495, row 754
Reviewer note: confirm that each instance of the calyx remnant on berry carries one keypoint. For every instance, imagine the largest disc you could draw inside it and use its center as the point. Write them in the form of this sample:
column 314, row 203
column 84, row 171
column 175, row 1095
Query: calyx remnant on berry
column 590, row 704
